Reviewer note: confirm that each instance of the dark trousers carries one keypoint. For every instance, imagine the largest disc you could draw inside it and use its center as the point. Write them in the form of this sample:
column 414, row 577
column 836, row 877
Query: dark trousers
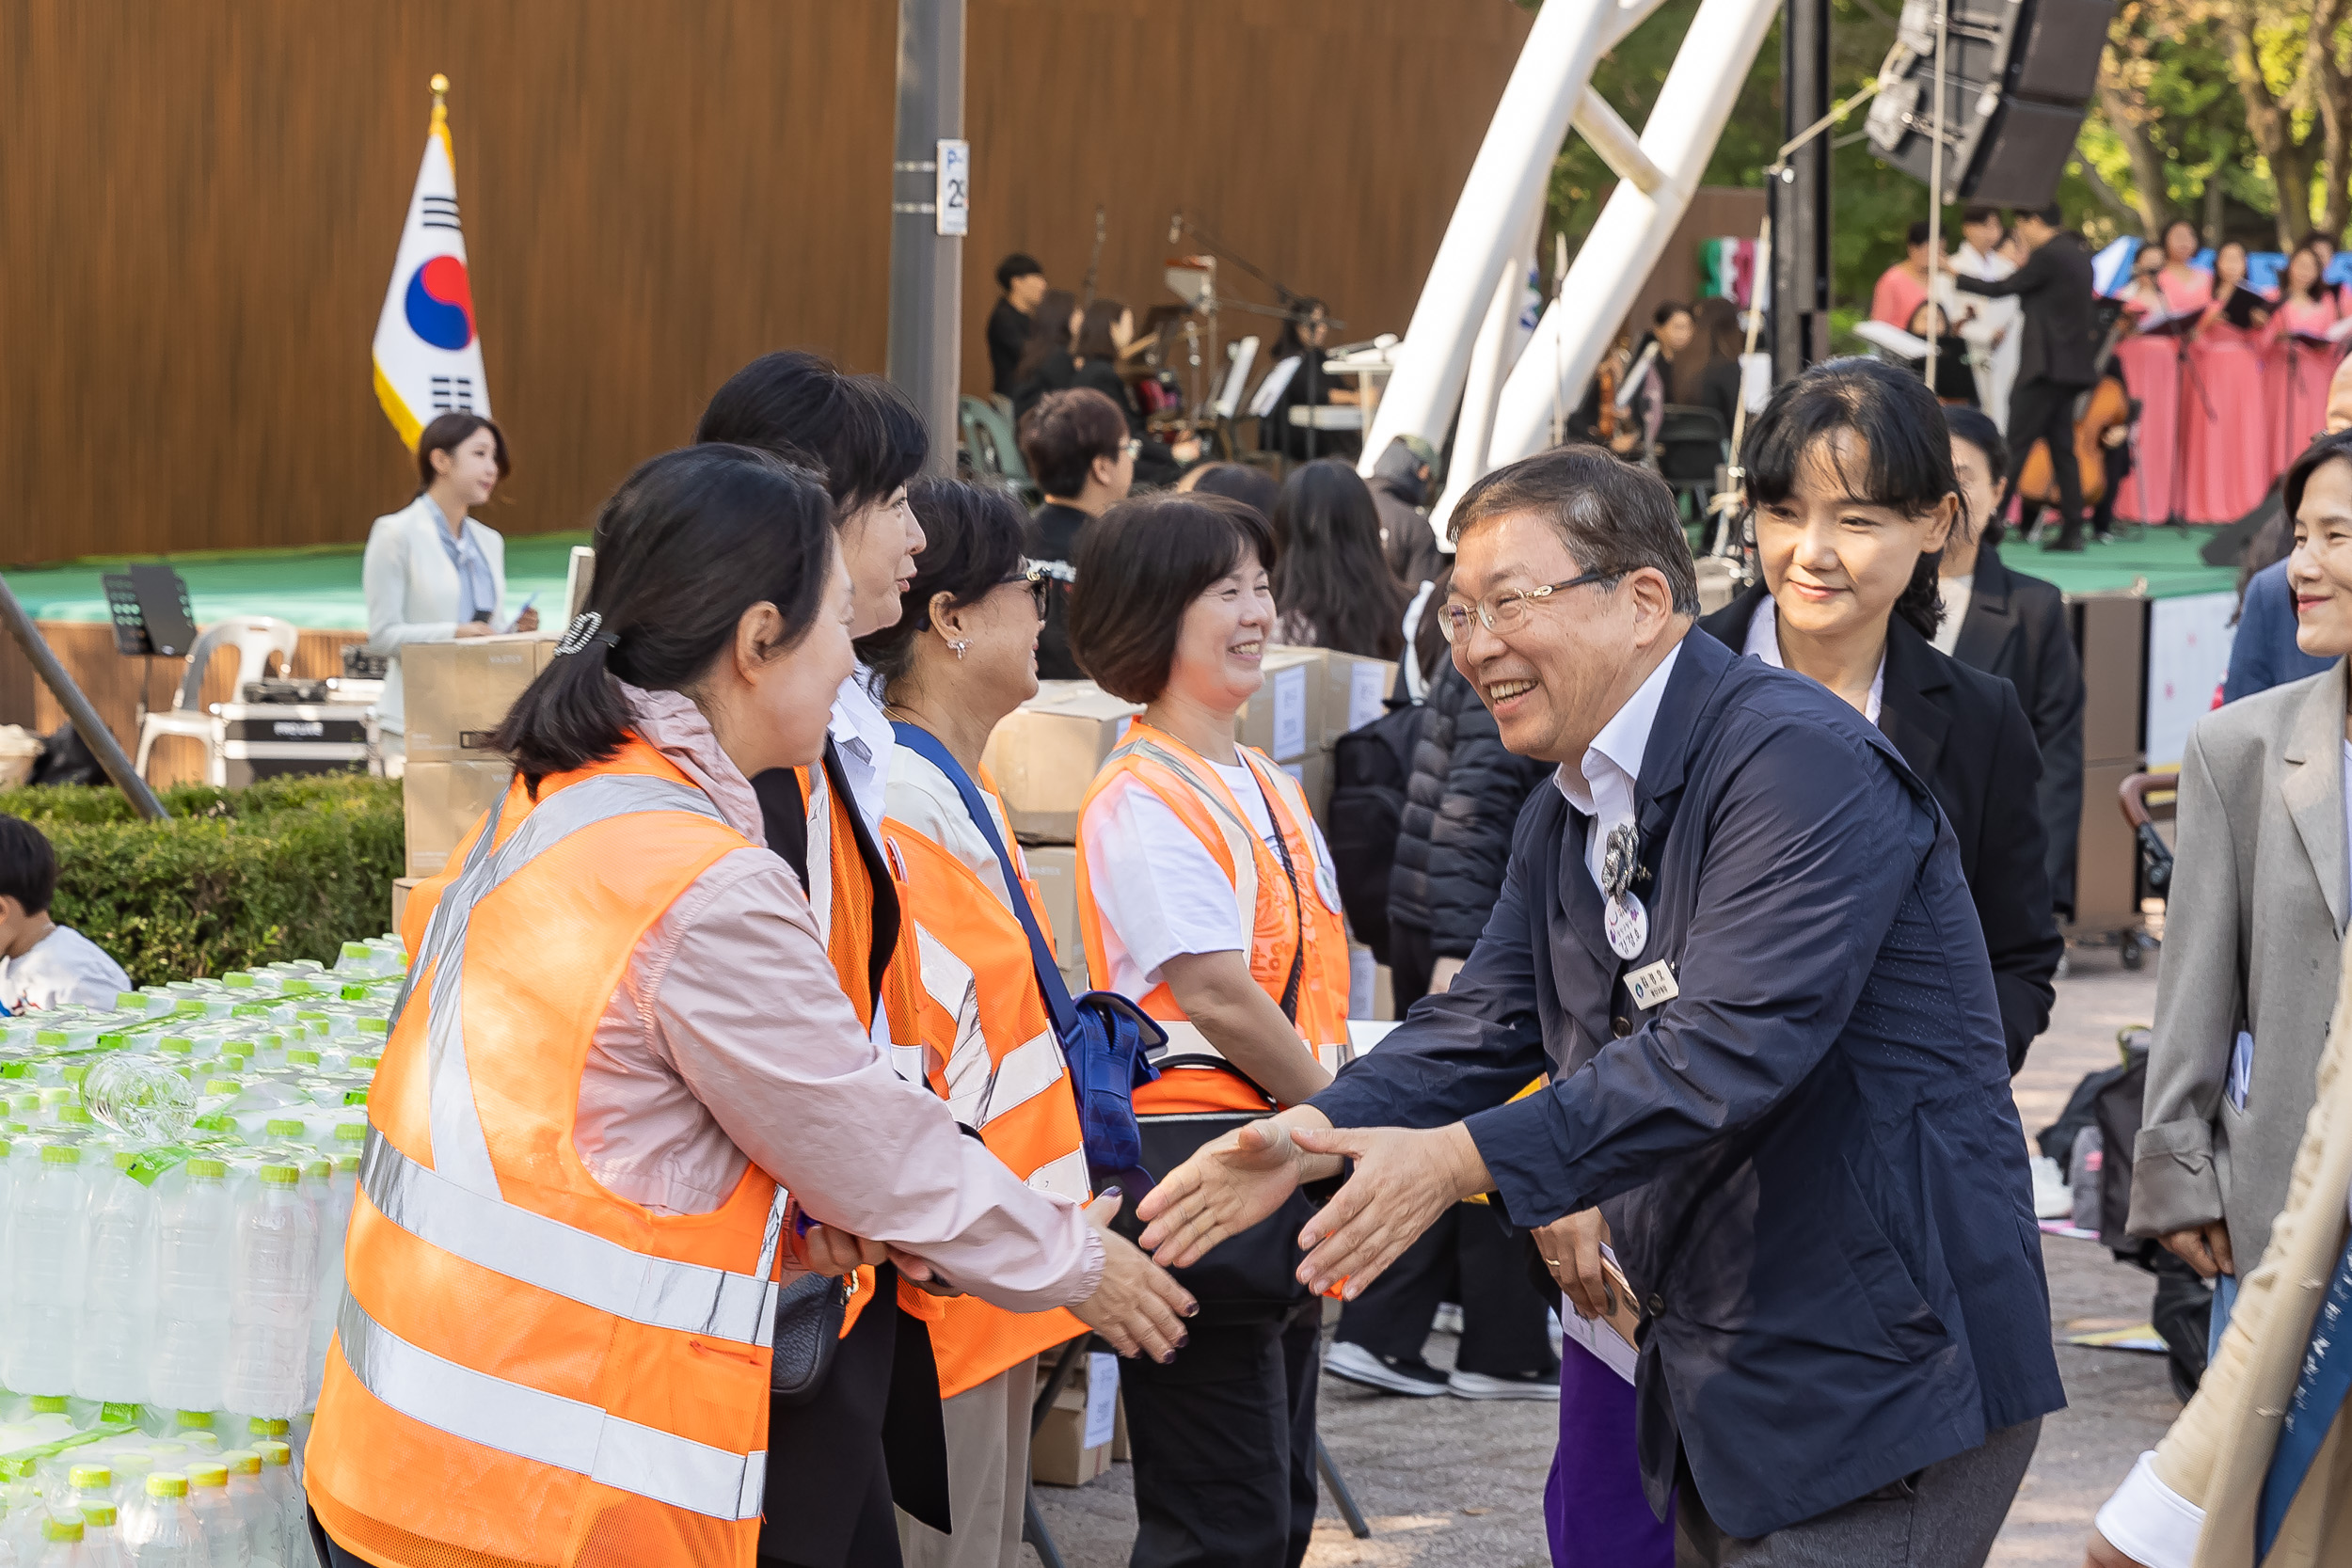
column 1224, row 1442
column 1466, row 1257
column 2044, row 411
column 1410, row 963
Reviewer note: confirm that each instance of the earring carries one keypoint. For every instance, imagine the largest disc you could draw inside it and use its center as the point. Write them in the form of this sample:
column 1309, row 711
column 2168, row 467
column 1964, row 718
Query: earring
column 957, row 647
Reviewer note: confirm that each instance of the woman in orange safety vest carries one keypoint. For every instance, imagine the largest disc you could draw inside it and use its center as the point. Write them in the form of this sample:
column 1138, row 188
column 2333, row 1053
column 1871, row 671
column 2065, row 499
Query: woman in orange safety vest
column 963, row 655
column 624, row 1097
column 1206, row 893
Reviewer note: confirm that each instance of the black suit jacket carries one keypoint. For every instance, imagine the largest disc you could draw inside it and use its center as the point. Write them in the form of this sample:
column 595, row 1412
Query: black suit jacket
column 2060, row 331
column 2017, row 628
column 1962, row 733
column 1008, row 336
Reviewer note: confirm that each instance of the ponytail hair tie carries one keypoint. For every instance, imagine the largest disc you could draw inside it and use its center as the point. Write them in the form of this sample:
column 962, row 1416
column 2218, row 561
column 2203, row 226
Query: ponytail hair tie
column 588, row 628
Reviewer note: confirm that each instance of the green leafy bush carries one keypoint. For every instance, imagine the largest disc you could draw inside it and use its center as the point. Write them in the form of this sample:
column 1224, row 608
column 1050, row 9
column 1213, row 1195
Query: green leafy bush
column 287, row 868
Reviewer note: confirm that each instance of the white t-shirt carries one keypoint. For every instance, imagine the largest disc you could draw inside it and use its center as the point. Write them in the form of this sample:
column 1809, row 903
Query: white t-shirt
column 922, row 796
column 1159, row 890
column 1957, row 592
column 63, row 967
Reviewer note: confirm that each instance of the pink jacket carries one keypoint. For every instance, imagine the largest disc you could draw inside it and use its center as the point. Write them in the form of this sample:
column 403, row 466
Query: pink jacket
column 729, row 1039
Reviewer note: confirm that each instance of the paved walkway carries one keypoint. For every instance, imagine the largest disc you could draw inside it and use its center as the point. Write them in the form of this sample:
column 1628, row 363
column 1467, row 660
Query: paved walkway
column 1448, row 1481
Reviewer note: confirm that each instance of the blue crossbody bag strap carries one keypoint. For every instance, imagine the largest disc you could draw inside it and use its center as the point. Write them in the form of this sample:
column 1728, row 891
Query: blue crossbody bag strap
column 926, row 745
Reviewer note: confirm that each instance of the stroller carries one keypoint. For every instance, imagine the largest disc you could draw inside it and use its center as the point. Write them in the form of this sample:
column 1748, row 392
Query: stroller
column 2147, row 799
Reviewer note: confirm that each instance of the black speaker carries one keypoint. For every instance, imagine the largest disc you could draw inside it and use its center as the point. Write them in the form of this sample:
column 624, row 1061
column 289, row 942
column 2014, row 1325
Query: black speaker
column 2017, row 74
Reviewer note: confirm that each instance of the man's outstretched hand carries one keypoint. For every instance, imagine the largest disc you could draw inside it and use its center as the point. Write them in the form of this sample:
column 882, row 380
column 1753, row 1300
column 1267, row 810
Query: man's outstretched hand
column 1401, row 1182
column 1228, row 1185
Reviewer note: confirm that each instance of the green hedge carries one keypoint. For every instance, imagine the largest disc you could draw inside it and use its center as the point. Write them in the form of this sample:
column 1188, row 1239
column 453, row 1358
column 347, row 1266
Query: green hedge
column 287, row 868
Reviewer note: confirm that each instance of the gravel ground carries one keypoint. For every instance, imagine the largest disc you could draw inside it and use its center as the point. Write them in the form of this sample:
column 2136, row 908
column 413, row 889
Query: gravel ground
column 1447, row 1481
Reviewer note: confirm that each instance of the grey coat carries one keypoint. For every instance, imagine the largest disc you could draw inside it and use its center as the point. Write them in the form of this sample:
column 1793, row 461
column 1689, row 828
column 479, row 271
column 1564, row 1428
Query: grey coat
column 2254, row 934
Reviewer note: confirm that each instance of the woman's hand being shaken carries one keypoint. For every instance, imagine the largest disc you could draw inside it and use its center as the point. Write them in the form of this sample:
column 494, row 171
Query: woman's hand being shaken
column 1137, row 1305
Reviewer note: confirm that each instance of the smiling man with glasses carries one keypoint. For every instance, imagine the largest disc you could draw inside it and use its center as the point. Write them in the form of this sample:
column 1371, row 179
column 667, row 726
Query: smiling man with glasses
column 1736, row 938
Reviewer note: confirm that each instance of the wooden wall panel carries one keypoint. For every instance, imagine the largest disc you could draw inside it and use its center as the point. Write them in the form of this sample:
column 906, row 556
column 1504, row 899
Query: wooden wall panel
column 202, row 203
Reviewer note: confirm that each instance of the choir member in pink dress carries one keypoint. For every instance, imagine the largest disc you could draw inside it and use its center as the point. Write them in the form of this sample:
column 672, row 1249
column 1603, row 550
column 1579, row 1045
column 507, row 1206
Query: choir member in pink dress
column 2301, row 358
column 2228, row 464
column 2163, row 285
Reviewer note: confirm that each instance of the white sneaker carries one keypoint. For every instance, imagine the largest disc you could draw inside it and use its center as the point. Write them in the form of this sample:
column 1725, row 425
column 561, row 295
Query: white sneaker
column 2053, row 1200
column 1448, row 1318
column 1359, row 1364
column 1527, row 1386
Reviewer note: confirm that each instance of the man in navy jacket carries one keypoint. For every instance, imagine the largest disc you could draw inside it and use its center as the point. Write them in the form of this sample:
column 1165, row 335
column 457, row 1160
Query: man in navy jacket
column 1774, row 1049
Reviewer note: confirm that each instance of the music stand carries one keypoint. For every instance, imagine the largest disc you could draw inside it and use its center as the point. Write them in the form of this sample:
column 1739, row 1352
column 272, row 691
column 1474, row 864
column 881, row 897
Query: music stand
column 153, row 618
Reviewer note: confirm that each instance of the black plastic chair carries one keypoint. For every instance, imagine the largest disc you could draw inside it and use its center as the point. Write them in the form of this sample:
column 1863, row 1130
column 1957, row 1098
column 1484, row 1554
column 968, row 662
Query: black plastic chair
column 1693, row 443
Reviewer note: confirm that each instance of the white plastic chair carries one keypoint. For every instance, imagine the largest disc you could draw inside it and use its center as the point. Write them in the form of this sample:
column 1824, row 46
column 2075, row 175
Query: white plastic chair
column 262, row 643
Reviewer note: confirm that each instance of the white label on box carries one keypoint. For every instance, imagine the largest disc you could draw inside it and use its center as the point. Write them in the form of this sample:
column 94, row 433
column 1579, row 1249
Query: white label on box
column 1290, row 711
column 1102, row 1399
column 1366, row 698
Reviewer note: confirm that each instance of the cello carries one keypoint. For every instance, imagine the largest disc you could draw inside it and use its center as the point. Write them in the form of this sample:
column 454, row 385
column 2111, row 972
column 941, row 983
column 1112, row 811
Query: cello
column 2104, row 407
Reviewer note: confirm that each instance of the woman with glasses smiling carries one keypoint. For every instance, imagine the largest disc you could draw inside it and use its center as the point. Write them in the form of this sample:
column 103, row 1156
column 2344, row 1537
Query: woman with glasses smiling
column 963, row 654
column 1849, row 474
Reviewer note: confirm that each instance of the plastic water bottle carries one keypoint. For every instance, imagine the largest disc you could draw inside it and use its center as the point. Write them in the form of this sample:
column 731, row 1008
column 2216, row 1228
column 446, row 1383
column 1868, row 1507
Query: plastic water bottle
column 264, row 1520
column 139, row 1096
column 167, row 1532
column 334, row 1220
column 119, row 1304
column 45, row 1265
column 285, row 1489
column 276, row 1282
column 62, row 1534
column 195, row 1268
column 94, row 1498
column 226, row 1542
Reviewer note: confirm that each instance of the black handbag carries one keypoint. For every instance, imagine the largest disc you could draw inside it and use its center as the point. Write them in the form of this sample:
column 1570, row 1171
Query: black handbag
column 809, row 1332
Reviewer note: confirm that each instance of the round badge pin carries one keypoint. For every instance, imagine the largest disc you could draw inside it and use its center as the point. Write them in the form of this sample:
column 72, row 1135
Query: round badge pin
column 1629, row 927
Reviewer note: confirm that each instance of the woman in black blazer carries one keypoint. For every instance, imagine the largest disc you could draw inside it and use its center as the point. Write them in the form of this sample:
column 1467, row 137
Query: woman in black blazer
column 1850, row 479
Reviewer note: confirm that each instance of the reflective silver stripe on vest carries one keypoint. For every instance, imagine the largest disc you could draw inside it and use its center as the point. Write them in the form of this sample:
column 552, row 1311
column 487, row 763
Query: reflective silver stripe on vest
column 547, row 1429
column 460, row 1152
column 568, row 1263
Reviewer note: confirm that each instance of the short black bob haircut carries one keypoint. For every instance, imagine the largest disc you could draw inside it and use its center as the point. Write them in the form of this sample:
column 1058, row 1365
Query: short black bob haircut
column 1140, row 564
column 29, row 866
column 1976, row 427
column 858, row 432
column 1905, row 461
column 973, row 535
column 690, row 540
column 2325, row 450
column 447, row 432
column 1017, row 265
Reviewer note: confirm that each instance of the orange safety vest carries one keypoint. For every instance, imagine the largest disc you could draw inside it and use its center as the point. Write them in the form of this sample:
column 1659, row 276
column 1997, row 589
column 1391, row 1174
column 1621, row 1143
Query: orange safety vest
column 989, row 1051
column 528, row 1368
column 1262, row 892
column 841, row 896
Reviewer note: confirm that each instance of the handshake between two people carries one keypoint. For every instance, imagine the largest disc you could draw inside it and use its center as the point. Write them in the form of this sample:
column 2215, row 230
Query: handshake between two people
column 1136, row 1305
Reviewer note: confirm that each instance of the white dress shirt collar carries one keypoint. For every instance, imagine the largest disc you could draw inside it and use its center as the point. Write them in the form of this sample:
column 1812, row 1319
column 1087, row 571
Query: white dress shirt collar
column 1601, row 786
column 1764, row 642
column 861, row 733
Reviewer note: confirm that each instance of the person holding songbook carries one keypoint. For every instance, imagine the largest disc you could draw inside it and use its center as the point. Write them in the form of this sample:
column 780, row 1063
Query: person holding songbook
column 2166, row 298
column 2304, row 349
column 2227, row 465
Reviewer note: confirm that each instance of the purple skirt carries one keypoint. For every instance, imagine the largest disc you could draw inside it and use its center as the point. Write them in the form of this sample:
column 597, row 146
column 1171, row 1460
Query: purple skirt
column 1594, row 1506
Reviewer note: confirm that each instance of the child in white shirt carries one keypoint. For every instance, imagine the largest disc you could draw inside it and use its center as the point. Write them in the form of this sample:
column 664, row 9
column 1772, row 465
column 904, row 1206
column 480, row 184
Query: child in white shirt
column 44, row 964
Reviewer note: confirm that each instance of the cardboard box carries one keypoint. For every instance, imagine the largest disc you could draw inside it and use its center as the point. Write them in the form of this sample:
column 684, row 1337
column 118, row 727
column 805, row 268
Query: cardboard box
column 1054, row 867
column 454, row 694
column 1354, row 692
column 1076, row 1442
column 443, row 800
column 402, row 888
column 1314, row 773
column 1284, row 719
column 1047, row 752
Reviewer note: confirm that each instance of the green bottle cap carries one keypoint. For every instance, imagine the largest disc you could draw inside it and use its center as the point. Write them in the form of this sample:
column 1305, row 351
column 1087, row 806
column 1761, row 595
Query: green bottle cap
column 208, row 1472
column 76, row 1115
column 302, row 1056
column 283, row 1127
column 176, row 1045
column 61, row 1154
column 62, row 1527
column 48, row 1405
column 200, row 1421
column 201, row 1170
column 281, row 1176
column 84, row 1476
column 351, row 1132
column 98, row 1515
column 241, row 1462
column 166, row 1484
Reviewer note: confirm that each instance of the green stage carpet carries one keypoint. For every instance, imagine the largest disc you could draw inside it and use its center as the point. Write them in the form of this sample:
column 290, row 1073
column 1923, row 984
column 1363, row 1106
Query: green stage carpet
column 314, row 588
column 320, row 588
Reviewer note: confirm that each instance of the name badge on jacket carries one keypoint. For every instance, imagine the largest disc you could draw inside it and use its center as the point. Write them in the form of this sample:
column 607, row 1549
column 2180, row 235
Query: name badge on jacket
column 1653, row 986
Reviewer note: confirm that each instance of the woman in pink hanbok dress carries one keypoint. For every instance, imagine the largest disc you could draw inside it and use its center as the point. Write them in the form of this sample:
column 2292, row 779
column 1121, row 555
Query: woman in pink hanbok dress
column 2301, row 358
column 2164, row 286
column 2227, row 467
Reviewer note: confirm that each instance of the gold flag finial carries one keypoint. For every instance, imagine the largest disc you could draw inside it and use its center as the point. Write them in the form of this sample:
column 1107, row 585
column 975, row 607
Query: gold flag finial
column 440, row 92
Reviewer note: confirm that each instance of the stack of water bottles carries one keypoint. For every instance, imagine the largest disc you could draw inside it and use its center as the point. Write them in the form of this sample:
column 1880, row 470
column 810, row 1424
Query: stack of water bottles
column 175, row 1176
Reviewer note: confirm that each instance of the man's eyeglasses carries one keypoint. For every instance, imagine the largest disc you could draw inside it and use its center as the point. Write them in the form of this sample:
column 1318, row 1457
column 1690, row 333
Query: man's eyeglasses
column 1041, row 587
column 1506, row 611
column 1134, row 447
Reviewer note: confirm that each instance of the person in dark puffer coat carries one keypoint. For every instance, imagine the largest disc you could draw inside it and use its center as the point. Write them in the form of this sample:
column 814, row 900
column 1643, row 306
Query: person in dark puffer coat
column 1462, row 800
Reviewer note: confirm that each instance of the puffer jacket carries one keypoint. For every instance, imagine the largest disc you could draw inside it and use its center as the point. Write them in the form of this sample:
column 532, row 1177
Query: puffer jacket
column 1460, row 806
